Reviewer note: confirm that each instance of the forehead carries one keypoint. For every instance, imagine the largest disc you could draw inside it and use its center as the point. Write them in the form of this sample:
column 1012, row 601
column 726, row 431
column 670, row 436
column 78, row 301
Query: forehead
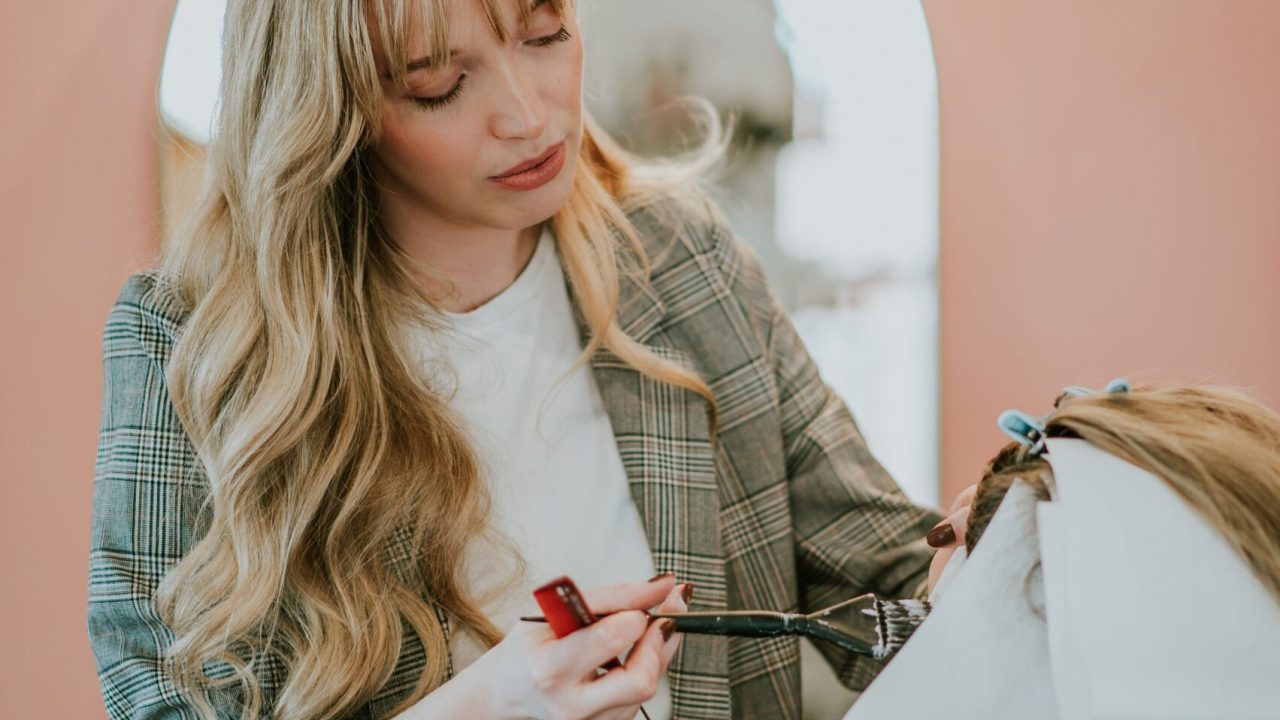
column 401, row 31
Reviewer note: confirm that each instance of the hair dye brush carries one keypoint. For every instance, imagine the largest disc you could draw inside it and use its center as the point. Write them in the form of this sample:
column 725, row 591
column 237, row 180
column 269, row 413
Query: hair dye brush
column 865, row 625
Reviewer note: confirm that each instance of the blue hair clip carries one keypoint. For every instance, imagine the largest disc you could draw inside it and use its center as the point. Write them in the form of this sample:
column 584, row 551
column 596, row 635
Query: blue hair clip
column 1027, row 430
column 1119, row 385
column 1030, row 431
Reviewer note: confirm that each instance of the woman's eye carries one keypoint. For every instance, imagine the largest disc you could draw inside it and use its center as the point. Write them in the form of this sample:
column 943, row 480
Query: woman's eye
column 438, row 101
column 560, row 36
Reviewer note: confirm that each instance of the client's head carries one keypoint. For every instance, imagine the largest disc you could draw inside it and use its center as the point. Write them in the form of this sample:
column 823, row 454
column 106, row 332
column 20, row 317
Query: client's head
column 1218, row 450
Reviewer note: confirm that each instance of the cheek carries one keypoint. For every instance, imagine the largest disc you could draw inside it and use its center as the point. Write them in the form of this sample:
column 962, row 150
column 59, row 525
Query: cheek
column 571, row 85
column 418, row 149
column 562, row 88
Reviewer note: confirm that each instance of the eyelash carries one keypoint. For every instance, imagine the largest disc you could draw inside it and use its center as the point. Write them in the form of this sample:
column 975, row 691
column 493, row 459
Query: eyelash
column 560, row 36
column 439, row 101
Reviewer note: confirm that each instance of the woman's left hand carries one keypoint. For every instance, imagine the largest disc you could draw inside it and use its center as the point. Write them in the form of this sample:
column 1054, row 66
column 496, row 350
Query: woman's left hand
column 949, row 534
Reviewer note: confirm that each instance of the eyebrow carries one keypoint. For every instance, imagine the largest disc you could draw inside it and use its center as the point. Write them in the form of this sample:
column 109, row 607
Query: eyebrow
column 427, row 62
column 423, row 63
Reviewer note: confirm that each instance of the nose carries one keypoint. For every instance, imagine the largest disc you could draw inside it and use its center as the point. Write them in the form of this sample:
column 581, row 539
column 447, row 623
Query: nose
column 519, row 111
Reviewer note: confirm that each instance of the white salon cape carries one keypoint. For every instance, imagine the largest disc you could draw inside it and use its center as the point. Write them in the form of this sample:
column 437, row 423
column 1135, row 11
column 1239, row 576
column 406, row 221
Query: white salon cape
column 1114, row 601
column 560, row 494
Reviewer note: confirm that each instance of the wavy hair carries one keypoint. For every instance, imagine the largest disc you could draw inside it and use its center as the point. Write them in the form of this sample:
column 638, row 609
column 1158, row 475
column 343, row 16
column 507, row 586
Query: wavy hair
column 1217, row 449
column 322, row 443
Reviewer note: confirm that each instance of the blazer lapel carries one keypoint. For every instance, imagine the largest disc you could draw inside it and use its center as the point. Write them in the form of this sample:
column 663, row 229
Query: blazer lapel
column 664, row 440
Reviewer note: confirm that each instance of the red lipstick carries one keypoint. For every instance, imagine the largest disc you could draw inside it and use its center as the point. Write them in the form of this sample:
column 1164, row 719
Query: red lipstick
column 534, row 173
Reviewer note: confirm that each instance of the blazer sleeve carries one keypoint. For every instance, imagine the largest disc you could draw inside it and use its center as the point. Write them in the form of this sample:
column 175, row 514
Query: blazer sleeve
column 146, row 493
column 855, row 530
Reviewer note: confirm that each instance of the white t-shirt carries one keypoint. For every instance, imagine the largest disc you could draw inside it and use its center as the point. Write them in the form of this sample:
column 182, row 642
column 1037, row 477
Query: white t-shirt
column 546, row 447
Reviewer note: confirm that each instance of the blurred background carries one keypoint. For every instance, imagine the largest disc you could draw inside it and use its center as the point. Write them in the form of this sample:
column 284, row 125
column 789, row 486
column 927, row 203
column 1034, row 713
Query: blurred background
column 964, row 205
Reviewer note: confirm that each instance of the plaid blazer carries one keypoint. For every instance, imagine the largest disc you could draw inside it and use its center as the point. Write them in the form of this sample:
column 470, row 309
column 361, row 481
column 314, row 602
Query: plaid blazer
column 786, row 509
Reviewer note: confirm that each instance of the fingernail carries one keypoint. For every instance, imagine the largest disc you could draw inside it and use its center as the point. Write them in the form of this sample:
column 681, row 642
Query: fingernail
column 667, row 628
column 660, row 575
column 941, row 535
column 686, row 592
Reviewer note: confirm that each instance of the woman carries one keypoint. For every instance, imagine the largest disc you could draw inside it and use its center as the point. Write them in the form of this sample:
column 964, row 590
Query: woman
column 349, row 417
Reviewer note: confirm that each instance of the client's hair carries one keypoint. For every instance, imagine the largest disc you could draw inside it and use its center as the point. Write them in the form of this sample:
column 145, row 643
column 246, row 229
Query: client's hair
column 1218, row 450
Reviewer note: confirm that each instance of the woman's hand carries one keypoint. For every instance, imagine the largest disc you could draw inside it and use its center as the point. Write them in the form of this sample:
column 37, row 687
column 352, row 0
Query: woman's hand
column 531, row 673
column 950, row 533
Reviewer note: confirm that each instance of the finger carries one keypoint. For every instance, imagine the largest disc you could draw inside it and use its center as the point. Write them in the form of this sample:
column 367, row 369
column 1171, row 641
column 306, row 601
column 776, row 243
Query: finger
column 937, row 565
column 674, row 603
column 646, row 655
column 579, row 653
column 677, row 600
column 629, row 596
column 637, row 681
column 960, row 522
column 964, row 499
column 951, row 531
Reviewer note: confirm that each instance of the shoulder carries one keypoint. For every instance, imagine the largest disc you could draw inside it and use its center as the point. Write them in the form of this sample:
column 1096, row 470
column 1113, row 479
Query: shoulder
column 696, row 256
column 148, row 314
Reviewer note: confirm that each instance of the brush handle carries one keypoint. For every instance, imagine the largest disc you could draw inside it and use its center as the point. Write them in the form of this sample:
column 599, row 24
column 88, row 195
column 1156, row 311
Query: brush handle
column 739, row 624
column 762, row 624
column 768, row 624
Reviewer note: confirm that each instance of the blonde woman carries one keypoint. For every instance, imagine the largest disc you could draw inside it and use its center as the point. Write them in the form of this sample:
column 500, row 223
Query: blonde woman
column 431, row 337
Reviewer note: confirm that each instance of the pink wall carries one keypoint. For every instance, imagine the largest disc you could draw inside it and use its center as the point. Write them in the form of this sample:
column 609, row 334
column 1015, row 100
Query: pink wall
column 78, row 197
column 1110, row 202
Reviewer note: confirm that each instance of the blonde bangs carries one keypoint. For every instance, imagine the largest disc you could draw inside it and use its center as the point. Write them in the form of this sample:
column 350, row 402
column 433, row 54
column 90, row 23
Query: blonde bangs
column 398, row 22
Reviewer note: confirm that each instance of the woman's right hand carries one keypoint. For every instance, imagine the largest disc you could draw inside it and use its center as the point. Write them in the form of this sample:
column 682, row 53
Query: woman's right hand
column 531, row 673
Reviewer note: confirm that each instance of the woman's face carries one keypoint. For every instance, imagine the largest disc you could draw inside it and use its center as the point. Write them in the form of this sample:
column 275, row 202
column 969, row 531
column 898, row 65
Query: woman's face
column 459, row 145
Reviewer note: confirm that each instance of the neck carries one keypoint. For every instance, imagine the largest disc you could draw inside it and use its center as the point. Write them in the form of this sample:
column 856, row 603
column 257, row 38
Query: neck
column 470, row 265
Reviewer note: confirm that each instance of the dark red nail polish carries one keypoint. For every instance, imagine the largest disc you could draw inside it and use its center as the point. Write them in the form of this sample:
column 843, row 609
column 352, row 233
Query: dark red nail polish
column 941, row 535
column 660, row 575
column 686, row 592
column 667, row 628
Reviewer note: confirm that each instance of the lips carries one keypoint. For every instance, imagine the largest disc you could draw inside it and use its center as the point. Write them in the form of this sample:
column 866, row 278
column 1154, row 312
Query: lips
column 535, row 173
column 531, row 164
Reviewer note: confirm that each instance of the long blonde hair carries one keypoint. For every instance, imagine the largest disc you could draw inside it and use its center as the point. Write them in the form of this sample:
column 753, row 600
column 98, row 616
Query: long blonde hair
column 322, row 443
column 1217, row 449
